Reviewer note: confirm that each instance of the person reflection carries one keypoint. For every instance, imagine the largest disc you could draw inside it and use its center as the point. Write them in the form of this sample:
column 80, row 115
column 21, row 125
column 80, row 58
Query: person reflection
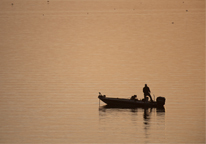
column 146, row 115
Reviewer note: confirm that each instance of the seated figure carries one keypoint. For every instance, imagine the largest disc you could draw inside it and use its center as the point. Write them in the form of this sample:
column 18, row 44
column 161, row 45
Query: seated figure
column 133, row 97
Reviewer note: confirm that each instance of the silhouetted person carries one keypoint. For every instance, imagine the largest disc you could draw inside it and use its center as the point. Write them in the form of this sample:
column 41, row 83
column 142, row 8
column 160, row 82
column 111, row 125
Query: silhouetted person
column 146, row 91
column 133, row 97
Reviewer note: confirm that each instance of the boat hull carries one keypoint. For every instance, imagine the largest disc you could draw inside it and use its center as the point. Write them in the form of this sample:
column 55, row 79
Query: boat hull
column 120, row 102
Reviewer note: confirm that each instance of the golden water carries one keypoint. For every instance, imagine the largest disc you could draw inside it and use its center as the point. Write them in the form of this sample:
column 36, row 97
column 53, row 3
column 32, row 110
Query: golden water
column 57, row 55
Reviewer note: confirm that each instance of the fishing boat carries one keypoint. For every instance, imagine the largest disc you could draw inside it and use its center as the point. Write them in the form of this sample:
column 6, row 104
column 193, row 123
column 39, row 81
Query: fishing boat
column 132, row 102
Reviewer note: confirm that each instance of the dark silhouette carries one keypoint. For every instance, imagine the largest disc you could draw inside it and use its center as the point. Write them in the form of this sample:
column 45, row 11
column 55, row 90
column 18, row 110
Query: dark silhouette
column 133, row 97
column 146, row 91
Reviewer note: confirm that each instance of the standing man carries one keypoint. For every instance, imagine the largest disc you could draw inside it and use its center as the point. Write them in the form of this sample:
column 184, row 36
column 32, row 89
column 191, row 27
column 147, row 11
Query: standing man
column 146, row 92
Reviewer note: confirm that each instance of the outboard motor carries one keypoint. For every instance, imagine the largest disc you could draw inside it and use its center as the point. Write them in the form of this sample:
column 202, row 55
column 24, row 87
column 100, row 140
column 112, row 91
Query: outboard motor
column 160, row 101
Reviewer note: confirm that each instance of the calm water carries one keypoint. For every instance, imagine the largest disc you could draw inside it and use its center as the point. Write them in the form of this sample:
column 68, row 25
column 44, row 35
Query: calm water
column 57, row 55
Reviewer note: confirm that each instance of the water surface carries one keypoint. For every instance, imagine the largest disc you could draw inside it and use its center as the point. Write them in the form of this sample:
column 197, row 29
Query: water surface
column 57, row 55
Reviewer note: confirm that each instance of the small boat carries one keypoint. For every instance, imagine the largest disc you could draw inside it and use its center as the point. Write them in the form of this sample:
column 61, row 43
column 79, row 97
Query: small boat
column 132, row 102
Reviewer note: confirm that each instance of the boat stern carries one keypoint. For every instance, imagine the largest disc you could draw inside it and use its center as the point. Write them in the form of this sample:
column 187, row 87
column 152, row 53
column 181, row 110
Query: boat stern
column 160, row 101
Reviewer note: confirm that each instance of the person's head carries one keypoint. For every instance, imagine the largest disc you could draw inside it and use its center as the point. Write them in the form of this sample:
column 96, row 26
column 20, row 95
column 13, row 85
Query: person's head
column 145, row 85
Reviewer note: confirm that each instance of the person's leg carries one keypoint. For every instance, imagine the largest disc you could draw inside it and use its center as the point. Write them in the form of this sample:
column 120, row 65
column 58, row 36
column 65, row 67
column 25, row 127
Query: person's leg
column 145, row 95
column 150, row 97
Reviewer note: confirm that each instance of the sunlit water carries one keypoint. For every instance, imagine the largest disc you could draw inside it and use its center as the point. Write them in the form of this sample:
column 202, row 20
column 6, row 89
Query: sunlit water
column 57, row 55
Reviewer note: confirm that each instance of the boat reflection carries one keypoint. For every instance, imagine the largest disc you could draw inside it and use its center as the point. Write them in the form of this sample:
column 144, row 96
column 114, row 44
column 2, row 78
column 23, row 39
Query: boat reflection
column 108, row 110
column 106, row 107
column 142, row 121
